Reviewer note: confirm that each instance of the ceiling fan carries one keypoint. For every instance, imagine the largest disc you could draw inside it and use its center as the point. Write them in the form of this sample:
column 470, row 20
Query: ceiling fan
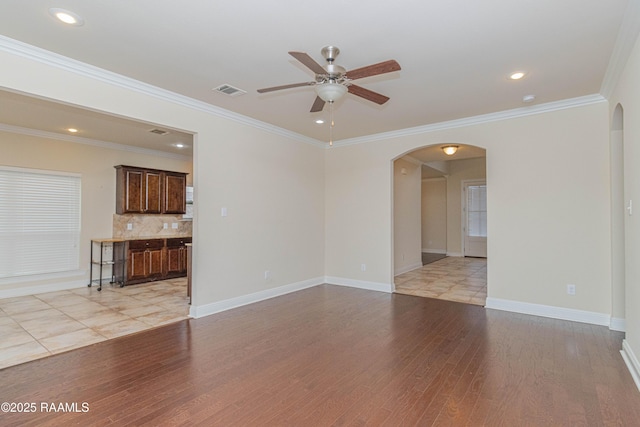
column 333, row 81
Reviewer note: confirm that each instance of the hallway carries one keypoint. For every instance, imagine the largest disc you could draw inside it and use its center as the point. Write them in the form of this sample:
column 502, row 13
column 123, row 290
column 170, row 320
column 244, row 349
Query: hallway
column 452, row 278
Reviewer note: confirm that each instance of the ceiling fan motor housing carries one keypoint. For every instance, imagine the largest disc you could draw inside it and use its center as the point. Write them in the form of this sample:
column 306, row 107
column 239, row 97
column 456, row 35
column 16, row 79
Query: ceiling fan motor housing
column 330, row 53
column 335, row 71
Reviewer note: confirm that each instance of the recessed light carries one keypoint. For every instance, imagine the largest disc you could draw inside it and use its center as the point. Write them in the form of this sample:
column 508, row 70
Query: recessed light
column 66, row 16
column 319, row 121
column 179, row 145
column 72, row 130
column 517, row 75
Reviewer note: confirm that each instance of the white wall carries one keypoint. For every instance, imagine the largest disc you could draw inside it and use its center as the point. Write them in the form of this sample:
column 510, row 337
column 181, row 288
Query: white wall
column 407, row 235
column 434, row 215
column 271, row 182
column 95, row 165
column 548, row 226
column 627, row 94
column 548, row 195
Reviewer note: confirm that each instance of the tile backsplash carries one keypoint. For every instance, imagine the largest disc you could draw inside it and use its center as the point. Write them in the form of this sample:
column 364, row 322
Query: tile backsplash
column 148, row 226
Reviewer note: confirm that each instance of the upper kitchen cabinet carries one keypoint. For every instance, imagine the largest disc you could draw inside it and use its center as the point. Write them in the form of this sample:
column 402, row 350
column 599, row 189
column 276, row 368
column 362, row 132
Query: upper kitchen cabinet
column 175, row 193
column 149, row 191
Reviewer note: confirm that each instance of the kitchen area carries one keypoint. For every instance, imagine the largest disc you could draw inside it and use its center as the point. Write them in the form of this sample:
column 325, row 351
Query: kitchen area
column 152, row 228
column 135, row 225
column 138, row 276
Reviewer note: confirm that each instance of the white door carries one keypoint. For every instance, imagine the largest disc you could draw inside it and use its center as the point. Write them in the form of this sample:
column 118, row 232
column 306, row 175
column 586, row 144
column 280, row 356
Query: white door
column 475, row 214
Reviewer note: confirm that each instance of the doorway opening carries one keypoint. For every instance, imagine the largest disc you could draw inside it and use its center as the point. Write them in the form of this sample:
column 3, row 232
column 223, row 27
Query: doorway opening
column 440, row 224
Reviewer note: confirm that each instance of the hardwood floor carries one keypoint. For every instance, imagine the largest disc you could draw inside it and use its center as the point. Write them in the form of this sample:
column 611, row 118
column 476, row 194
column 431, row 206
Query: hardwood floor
column 333, row 355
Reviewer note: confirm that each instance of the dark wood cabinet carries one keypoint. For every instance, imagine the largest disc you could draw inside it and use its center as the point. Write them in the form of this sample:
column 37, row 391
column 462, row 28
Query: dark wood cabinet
column 145, row 260
column 130, row 186
column 177, row 257
column 150, row 191
column 175, row 193
column 156, row 259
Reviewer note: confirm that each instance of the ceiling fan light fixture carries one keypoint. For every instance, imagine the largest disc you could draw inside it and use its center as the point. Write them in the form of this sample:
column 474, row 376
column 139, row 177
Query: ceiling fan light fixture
column 450, row 150
column 330, row 92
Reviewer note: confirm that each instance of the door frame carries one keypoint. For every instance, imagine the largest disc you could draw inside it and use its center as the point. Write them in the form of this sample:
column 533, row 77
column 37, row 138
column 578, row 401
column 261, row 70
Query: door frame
column 463, row 217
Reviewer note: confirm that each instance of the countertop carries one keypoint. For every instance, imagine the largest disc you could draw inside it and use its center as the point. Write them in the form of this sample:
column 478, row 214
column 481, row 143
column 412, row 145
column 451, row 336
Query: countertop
column 126, row 239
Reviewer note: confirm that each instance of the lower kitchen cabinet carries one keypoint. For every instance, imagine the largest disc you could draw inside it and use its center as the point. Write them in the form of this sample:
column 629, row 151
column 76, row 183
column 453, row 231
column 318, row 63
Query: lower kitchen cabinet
column 156, row 259
column 177, row 257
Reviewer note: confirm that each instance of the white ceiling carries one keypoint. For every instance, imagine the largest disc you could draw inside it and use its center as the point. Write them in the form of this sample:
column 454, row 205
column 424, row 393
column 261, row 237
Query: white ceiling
column 455, row 54
column 25, row 114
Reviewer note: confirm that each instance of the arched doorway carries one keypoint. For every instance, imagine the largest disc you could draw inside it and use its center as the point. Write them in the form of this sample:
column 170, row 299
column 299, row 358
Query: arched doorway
column 433, row 218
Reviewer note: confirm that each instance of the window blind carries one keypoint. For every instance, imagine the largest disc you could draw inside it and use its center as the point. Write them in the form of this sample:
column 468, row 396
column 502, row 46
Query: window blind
column 39, row 222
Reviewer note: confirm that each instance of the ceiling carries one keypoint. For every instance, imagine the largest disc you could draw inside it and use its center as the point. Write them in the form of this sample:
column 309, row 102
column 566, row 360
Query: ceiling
column 456, row 55
column 52, row 118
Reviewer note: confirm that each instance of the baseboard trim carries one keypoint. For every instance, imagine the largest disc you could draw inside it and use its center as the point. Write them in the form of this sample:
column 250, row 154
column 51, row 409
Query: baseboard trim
column 360, row 284
column 49, row 287
column 549, row 311
column 631, row 361
column 408, row 268
column 228, row 304
column 618, row 324
column 458, row 254
column 434, row 251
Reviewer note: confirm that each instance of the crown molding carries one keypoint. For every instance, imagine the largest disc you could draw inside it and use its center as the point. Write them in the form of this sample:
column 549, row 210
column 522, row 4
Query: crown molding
column 475, row 120
column 627, row 37
column 80, row 68
column 88, row 141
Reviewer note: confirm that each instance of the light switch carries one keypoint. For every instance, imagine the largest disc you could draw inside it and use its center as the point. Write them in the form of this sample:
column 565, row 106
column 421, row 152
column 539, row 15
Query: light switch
column 223, row 211
column 165, row 226
column 129, row 226
column 174, row 225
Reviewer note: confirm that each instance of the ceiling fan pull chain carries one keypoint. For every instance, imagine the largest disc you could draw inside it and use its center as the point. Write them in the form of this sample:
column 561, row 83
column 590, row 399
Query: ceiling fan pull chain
column 331, row 124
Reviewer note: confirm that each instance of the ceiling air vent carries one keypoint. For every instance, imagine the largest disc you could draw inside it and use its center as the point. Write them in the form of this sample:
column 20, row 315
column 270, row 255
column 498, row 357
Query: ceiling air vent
column 159, row 132
column 229, row 90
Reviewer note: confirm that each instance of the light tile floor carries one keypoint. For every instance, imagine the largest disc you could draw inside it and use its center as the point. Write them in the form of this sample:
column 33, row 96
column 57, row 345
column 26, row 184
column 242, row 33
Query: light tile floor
column 453, row 278
column 36, row 326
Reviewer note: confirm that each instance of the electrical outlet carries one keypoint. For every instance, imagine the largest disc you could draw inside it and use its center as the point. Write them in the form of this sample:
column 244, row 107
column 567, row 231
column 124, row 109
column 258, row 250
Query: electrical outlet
column 363, row 267
column 165, row 226
column 571, row 289
column 174, row 225
column 267, row 275
column 129, row 226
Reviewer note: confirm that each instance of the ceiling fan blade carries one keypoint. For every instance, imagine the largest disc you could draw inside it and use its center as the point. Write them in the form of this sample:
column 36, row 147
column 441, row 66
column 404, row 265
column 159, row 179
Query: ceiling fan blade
column 367, row 94
column 318, row 105
column 271, row 89
column 374, row 70
column 308, row 62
